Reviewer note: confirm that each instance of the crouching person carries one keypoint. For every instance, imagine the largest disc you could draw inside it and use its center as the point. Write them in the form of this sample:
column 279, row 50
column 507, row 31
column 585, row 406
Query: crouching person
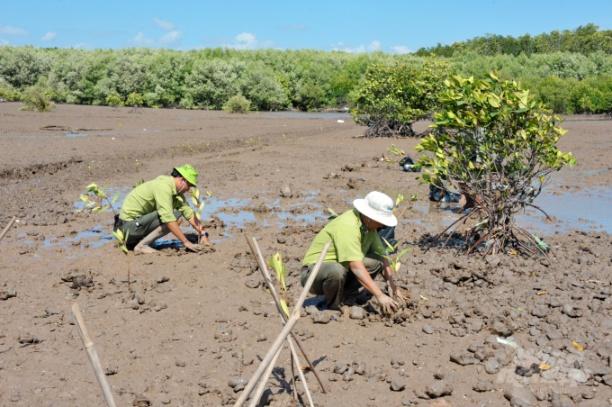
column 354, row 257
column 152, row 210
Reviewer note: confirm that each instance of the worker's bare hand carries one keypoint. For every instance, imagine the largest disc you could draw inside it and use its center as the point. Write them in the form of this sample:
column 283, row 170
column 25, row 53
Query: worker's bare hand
column 204, row 241
column 399, row 296
column 190, row 247
column 387, row 305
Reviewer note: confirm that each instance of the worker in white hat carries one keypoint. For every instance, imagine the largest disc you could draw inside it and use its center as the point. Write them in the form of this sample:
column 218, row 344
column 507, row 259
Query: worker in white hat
column 355, row 256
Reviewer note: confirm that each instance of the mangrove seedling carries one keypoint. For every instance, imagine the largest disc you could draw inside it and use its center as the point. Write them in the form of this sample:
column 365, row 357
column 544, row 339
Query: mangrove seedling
column 395, row 154
column 276, row 262
column 198, row 205
column 121, row 243
column 393, row 256
column 96, row 200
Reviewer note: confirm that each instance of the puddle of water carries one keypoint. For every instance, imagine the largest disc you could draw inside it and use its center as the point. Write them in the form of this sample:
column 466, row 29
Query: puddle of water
column 231, row 211
column 95, row 237
column 218, row 207
column 308, row 218
column 583, row 210
column 433, row 217
column 75, row 134
column 237, row 220
column 308, row 115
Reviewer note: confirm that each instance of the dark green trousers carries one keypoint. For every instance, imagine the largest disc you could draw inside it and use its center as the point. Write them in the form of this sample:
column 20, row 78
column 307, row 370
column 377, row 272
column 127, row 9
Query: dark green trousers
column 335, row 281
column 140, row 227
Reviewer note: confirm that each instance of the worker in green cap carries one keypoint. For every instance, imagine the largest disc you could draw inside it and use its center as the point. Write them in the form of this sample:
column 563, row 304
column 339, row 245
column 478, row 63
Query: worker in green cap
column 153, row 209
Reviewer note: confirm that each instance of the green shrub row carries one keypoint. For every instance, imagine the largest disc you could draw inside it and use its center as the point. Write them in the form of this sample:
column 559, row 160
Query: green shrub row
column 273, row 79
column 585, row 40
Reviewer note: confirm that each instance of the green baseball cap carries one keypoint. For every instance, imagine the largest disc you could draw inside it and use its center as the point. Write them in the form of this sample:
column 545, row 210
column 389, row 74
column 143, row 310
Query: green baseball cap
column 189, row 173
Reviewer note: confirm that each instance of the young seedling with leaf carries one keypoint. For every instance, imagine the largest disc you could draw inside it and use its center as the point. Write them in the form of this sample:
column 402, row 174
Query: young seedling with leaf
column 121, row 243
column 96, row 200
column 198, row 204
column 276, row 262
column 393, row 256
column 399, row 199
column 396, row 152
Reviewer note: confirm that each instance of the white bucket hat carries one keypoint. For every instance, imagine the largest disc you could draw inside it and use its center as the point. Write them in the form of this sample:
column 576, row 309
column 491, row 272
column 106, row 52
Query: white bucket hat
column 377, row 206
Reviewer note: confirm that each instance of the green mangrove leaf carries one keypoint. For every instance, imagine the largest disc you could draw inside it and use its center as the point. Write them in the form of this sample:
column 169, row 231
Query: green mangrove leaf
column 276, row 262
column 284, row 307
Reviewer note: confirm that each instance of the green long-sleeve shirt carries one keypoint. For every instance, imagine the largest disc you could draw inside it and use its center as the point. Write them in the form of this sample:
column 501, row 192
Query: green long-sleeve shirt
column 156, row 195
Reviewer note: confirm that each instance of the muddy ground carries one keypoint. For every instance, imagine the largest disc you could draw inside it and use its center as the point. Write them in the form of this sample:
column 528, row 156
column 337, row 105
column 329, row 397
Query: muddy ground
column 494, row 331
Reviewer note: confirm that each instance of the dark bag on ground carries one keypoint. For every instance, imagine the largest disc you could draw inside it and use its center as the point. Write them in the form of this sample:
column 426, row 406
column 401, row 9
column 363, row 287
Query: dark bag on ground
column 408, row 164
column 440, row 195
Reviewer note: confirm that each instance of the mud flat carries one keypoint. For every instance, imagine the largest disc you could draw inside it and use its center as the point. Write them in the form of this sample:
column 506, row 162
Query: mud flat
column 492, row 331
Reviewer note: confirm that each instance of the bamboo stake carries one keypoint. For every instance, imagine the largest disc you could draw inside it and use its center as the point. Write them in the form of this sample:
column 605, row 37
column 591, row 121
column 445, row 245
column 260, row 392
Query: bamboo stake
column 7, row 227
column 262, row 383
column 294, row 356
column 252, row 242
column 294, row 384
column 295, row 316
column 93, row 356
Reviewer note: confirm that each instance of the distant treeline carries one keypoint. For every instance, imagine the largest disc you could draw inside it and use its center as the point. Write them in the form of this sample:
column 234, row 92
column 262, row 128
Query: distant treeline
column 569, row 82
column 584, row 40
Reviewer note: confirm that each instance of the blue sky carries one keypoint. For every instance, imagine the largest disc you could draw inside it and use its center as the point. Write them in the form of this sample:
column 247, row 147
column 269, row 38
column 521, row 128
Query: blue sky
column 354, row 26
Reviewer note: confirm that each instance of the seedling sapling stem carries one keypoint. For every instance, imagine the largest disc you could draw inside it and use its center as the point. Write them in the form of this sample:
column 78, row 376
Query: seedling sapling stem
column 199, row 206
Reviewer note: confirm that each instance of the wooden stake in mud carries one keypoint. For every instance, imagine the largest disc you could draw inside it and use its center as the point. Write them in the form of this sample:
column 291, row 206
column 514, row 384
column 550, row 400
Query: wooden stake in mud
column 6, row 229
column 93, row 356
column 295, row 316
column 252, row 242
column 264, row 380
column 292, row 340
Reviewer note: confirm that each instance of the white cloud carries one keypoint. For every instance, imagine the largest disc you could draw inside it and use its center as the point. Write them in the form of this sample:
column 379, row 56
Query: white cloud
column 244, row 40
column 400, row 49
column 170, row 37
column 10, row 30
column 372, row 47
column 141, row 40
column 50, row 36
column 352, row 50
column 164, row 25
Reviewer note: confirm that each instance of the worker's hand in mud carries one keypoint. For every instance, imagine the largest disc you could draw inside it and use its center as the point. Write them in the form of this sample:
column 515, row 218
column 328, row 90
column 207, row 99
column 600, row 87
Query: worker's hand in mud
column 399, row 296
column 387, row 305
column 204, row 240
column 190, row 247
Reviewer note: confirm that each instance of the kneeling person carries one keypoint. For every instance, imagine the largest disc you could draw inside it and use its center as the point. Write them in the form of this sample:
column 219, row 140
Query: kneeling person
column 355, row 256
column 151, row 211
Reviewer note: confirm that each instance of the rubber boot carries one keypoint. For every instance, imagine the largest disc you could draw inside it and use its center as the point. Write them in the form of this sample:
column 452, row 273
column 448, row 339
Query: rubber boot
column 144, row 246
